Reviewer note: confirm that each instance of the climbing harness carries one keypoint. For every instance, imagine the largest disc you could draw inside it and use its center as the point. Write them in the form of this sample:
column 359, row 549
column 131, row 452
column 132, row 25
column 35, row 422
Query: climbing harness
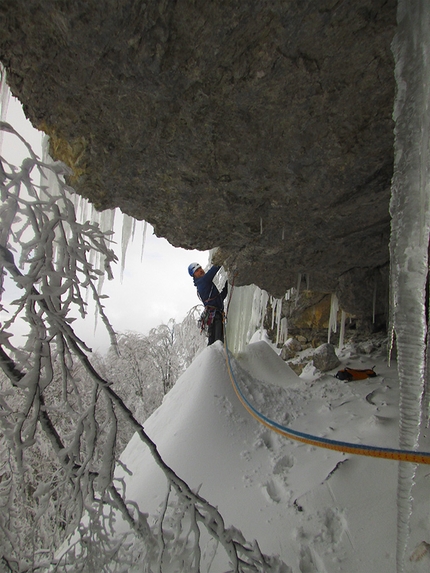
column 206, row 319
column 209, row 312
column 346, row 447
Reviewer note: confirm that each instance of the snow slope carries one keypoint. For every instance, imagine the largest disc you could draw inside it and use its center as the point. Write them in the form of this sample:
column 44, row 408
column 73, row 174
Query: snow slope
column 321, row 511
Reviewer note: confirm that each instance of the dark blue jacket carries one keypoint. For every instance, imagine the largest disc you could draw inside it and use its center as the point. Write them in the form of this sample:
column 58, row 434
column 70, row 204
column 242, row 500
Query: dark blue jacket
column 208, row 293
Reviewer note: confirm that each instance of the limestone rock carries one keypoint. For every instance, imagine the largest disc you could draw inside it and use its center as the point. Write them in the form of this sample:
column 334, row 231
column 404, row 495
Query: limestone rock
column 297, row 367
column 325, row 358
column 262, row 128
column 290, row 349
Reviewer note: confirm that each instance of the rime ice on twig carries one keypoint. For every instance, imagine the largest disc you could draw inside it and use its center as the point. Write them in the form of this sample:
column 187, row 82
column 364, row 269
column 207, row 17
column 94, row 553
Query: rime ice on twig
column 56, row 399
column 420, row 551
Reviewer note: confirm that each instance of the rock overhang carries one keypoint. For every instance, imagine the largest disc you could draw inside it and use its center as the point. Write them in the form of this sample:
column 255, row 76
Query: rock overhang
column 263, row 128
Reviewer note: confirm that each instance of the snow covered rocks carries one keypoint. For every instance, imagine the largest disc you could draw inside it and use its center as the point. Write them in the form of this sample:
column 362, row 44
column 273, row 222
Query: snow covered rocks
column 290, row 349
column 325, row 358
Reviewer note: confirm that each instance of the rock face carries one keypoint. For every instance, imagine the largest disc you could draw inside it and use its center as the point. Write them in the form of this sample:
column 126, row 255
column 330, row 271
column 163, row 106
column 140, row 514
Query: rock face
column 263, row 128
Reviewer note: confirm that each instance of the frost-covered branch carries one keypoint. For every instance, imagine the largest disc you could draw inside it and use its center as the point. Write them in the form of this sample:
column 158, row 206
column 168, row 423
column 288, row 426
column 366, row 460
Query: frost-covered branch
column 59, row 416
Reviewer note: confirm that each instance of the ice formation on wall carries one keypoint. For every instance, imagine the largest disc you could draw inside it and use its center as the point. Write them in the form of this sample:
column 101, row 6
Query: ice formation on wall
column 128, row 229
column 248, row 308
column 332, row 323
column 4, row 99
column 84, row 210
column 245, row 316
column 410, row 236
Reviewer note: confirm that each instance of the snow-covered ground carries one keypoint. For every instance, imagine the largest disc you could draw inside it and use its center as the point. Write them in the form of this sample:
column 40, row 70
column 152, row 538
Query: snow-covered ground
column 321, row 511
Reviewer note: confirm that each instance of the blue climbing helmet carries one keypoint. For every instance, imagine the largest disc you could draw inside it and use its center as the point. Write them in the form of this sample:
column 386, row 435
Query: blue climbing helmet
column 192, row 268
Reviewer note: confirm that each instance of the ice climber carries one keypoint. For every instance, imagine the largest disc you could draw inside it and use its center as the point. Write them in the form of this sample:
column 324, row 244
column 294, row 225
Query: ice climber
column 213, row 300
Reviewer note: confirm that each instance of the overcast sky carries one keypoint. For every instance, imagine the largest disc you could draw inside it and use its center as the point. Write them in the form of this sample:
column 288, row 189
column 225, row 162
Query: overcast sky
column 154, row 288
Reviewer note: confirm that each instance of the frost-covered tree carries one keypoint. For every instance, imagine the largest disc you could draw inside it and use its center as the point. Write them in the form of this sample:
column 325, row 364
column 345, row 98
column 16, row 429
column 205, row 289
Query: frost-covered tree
column 134, row 375
column 145, row 367
column 160, row 346
column 60, row 418
column 190, row 340
column 172, row 347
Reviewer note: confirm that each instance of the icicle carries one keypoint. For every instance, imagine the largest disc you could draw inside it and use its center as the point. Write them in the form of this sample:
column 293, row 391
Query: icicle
column 342, row 329
column 374, row 302
column 48, row 179
column 283, row 233
column 275, row 308
column 133, row 229
column 82, row 206
column 240, row 306
column 93, row 216
column 283, row 334
column 272, row 302
column 127, row 226
column 278, row 319
column 332, row 323
column 106, row 219
column 106, row 223
column 289, row 294
column 409, row 242
column 426, row 397
column 261, row 225
column 4, row 99
column 246, row 315
column 145, row 227
column 264, row 299
column 87, row 211
column 299, row 282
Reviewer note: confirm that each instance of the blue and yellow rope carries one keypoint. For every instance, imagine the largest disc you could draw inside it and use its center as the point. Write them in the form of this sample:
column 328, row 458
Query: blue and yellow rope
column 412, row 456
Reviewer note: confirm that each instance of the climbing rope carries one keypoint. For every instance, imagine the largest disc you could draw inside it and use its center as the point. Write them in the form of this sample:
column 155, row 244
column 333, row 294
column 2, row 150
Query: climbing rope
column 346, row 447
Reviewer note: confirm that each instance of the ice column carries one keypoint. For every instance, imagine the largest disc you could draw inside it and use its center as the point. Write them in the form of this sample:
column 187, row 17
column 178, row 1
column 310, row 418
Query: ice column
column 332, row 323
column 245, row 316
column 342, row 329
column 4, row 97
column 280, row 323
column 410, row 235
column 127, row 232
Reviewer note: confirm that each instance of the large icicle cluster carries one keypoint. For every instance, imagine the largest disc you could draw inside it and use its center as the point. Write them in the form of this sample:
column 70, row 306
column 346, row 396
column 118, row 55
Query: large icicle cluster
column 246, row 315
column 85, row 211
column 410, row 236
column 249, row 307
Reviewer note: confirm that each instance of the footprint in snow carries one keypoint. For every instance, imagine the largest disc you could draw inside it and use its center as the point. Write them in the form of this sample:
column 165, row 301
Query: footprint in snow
column 276, row 488
column 268, row 440
column 332, row 527
column 307, row 562
column 377, row 398
column 275, row 492
column 283, row 465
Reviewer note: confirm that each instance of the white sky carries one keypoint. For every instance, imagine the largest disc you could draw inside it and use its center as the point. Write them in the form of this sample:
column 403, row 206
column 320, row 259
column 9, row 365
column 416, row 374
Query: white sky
column 154, row 288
